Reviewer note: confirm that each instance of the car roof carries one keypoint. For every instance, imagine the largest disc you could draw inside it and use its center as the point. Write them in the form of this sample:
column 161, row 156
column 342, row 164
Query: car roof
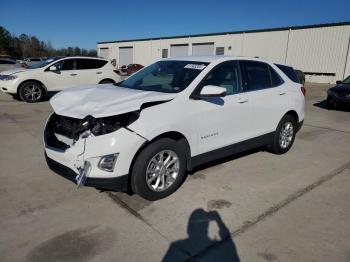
column 87, row 57
column 215, row 58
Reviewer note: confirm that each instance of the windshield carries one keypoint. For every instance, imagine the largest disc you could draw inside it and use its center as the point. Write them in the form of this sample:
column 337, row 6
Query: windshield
column 346, row 80
column 42, row 63
column 165, row 76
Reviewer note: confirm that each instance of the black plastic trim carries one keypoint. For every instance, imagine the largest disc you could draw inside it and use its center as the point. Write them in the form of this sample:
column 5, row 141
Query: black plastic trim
column 119, row 183
column 232, row 149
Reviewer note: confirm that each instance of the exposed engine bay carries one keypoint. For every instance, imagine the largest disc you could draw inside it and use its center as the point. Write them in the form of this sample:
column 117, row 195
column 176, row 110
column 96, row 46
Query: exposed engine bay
column 62, row 131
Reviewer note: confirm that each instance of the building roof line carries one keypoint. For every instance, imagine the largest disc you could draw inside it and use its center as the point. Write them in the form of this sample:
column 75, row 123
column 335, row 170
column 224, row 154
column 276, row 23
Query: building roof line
column 233, row 32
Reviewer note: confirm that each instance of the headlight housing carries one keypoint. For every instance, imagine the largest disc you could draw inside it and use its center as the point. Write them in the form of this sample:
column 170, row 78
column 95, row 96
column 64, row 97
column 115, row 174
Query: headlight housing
column 8, row 77
column 107, row 162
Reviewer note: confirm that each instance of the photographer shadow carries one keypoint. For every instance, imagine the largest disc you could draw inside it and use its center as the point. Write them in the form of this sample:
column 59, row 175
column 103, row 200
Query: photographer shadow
column 198, row 246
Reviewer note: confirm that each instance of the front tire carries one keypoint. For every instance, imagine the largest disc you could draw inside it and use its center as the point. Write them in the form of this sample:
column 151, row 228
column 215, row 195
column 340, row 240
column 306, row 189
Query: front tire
column 284, row 135
column 159, row 169
column 31, row 92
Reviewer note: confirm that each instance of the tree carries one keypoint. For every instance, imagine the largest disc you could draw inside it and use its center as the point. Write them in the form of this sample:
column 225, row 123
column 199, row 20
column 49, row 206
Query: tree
column 24, row 46
column 5, row 39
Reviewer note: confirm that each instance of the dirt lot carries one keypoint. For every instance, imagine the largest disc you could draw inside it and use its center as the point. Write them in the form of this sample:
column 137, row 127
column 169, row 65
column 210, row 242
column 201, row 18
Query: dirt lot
column 252, row 207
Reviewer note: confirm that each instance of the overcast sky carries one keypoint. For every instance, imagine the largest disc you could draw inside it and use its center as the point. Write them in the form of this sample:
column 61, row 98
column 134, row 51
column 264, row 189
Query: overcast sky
column 83, row 23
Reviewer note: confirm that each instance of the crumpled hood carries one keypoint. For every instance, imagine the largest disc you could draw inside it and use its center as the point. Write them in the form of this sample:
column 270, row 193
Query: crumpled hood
column 14, row 71
column 103, row 100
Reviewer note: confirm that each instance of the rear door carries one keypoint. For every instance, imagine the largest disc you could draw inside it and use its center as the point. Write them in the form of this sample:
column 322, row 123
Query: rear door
column 265, row 95
column 87, row 73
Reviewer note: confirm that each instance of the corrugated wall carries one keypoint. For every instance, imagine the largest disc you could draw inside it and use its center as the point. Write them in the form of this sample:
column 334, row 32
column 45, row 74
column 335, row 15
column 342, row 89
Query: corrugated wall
column 318, row 50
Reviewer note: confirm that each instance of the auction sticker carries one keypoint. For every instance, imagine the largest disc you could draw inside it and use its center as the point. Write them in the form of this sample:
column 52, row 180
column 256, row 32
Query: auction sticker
column 195, row 66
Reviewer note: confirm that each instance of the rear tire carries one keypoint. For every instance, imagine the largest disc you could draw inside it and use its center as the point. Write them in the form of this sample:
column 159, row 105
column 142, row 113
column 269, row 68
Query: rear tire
column 31, row 92
column 159, row 169
column 284, row 135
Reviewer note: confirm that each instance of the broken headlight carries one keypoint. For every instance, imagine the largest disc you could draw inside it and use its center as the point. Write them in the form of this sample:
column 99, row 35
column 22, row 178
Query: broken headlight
column 105, row 125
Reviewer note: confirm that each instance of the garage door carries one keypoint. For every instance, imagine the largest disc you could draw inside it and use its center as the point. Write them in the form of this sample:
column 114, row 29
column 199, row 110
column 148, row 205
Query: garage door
column 178, row 50
column 203, row 49
column 126, row 56
column 104, row 52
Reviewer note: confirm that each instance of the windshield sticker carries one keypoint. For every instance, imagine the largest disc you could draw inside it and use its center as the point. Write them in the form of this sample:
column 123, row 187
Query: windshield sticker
column 195, row 66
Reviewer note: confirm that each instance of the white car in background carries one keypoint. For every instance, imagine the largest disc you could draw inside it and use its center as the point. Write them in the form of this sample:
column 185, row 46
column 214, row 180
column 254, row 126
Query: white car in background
column 147, row 132
column 33, row 83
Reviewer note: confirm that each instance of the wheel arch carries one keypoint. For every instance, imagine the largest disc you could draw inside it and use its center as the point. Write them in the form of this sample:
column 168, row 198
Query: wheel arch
column 106, row 79
column 177, row 136
column 31, row 80
column 294, row 114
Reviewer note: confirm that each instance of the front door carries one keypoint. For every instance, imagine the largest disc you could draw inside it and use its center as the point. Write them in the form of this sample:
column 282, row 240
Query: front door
column 65, row 76
column 221, row 121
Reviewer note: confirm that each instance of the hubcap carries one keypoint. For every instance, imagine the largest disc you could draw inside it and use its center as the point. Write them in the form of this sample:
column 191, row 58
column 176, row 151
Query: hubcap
column 32, row 92
column 286, row 135
column 162, row 170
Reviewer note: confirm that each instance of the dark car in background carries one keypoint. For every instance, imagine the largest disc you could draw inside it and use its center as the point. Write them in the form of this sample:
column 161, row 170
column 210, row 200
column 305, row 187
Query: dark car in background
column 339, row 95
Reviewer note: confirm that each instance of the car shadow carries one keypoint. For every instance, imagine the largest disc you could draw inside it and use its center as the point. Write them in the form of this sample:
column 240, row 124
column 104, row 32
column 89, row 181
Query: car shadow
column 323, row 105
column 198, row 245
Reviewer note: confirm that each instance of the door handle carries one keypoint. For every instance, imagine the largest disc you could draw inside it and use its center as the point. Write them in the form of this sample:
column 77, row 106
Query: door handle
column 73, row 74
column 98, row 73
column 283, row 93
column 242, row 100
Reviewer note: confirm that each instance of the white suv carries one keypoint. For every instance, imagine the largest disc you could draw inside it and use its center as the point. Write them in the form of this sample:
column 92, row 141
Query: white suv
column 55, row 74
column 145, row 133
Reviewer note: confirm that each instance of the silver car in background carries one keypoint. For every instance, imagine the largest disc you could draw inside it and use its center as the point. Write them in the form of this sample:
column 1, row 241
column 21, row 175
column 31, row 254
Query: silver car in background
column 8, row 64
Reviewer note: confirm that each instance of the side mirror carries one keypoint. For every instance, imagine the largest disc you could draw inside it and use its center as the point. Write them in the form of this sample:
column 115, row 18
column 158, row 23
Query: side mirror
column 53, row 68
column 212, row 91
column 338, row 82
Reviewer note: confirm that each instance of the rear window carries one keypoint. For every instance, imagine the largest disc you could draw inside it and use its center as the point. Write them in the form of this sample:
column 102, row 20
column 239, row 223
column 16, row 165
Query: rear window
column 86, row 64
column 89, row 63
column 289, row 71
column 100, row 63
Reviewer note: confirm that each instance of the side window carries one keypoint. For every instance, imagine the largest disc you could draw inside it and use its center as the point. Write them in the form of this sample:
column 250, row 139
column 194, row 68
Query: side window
column 257, row 75
column 276, row 80
column 67, row 64
column 225, row 75
column 100, row 63
column 289, row 71
column 83, row 64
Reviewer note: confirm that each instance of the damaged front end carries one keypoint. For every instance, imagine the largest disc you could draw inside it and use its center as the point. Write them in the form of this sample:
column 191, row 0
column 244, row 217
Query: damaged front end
column 86, row 149
column 63, row 132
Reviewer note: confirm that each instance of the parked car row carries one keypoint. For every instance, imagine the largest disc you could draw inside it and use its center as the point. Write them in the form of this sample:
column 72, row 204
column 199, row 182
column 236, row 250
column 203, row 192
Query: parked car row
column 7, row 64
column 33, row 83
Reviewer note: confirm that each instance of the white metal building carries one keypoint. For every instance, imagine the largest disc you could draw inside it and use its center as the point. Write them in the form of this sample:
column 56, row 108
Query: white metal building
column 321, row 51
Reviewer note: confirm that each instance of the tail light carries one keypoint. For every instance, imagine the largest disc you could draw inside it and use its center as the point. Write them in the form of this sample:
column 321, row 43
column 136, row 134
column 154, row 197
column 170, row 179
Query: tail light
column 303, row 90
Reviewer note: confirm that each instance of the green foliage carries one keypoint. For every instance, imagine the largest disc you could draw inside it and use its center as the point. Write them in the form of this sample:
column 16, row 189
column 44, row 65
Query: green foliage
column 24, row 46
